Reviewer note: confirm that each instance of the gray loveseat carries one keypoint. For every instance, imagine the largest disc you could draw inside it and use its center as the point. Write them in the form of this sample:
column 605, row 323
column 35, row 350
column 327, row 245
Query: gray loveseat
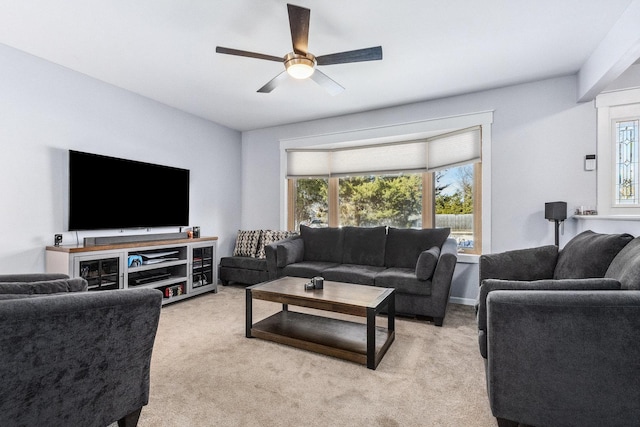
column 559, row 331
column 419, row 264
column 71, row 357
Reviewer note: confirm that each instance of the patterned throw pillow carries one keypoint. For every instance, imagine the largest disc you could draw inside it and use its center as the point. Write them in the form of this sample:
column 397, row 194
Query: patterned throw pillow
column 270, row 236
column 247, row 243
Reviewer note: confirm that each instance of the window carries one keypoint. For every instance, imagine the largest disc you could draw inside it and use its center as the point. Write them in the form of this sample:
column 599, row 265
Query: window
column 373, row 200
column 455, row 205
column 394, row 175
column 618, row 151
column 310, row 205
column 626, row 167
column 396, row 200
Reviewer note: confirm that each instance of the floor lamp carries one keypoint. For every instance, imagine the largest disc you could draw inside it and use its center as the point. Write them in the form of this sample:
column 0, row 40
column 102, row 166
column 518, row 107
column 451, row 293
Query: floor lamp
column 557, row 212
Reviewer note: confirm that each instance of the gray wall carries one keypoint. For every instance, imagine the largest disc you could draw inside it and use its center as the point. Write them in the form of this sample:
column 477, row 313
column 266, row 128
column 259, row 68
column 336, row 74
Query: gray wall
column 540, row 136
column 45, row 110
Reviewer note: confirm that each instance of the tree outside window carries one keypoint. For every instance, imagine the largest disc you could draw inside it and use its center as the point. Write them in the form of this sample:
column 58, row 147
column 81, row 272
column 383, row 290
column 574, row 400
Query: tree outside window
column 392, row 200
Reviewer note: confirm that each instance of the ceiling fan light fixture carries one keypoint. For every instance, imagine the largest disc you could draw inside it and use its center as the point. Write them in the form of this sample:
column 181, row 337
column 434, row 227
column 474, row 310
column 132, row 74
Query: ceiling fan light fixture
column 300, row 66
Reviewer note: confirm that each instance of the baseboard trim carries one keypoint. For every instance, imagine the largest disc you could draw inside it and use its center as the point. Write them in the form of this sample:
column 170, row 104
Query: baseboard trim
column 463, row 301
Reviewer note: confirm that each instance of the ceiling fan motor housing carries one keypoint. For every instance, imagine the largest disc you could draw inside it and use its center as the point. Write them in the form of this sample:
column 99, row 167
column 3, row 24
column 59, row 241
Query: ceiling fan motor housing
column 299, row 66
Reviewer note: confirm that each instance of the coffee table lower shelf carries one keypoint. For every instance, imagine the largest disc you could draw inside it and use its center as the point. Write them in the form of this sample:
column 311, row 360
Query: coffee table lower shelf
column 332, row 337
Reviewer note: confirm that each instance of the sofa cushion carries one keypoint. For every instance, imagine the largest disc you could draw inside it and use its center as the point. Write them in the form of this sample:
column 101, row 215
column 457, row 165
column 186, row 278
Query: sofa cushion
column 404, row 280
column 75, row 284
column 352, row 273
column 246, row 263
column 625, row 267
column 364, row 246
column 322, row 244
column 307, row 269
column 268, row 237
column 589, row 254
column 427, row 262
column 247, row 243
column 404, row 245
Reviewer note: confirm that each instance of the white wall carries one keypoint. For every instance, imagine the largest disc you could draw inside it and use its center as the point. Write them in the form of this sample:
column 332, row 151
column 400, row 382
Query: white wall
column 45, row 110
column 540, row 136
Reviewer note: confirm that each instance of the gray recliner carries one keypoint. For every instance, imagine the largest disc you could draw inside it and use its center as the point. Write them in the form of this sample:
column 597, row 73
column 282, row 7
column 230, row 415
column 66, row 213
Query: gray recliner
column 71, row 357
column 559, row 330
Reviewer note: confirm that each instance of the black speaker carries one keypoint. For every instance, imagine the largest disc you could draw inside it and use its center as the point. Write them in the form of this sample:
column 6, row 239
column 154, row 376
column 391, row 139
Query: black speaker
column 57, row 239
column 555, row 211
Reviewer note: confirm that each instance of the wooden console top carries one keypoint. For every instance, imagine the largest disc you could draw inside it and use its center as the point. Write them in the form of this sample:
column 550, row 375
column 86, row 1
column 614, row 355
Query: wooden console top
column 83, row 248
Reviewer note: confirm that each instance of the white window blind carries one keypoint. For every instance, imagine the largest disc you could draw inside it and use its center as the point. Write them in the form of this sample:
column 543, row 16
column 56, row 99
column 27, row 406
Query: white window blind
column 454, row 149
column 308, row 163
column 430, row 154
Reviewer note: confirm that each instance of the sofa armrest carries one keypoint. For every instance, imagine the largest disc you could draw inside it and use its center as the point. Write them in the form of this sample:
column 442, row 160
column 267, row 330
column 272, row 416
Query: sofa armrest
column 564, row 357
column 32, row 277
column 80, row 358
column 283, row 253
column 490, row 285
column 522, row 264
column 441, row 280
column 50, row 286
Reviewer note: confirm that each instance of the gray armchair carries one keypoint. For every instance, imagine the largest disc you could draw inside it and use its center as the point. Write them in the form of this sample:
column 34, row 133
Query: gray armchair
column 564, row 358
column 71, row 357
column 558, row 331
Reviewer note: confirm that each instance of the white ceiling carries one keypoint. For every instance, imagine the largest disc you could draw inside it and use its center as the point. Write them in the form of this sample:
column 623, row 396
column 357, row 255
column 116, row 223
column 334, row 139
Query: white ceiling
column 165, row 49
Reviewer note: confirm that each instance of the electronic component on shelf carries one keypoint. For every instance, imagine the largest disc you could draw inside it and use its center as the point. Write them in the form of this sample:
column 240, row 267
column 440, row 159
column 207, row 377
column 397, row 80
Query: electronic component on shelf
column 141, row 280
column 134, row 261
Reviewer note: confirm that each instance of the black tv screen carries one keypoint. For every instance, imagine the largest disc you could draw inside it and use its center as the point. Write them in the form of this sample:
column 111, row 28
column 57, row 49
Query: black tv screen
column 112, row 193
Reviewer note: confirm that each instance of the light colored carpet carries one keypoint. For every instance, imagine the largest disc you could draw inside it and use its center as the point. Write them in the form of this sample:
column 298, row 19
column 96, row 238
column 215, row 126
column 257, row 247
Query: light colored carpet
column 204, row 372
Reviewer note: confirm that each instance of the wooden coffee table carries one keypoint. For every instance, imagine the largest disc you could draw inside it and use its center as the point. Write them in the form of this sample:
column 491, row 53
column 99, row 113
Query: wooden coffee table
column 363, row 343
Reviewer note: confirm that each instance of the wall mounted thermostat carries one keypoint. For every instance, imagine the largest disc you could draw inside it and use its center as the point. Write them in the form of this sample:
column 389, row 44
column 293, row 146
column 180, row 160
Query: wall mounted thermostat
column 590, row 162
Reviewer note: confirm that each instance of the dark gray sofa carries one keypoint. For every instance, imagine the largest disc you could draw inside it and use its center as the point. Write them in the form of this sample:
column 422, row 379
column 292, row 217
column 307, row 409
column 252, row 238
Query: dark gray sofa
column 559, row 329
column 71, row 357
column 419, row 264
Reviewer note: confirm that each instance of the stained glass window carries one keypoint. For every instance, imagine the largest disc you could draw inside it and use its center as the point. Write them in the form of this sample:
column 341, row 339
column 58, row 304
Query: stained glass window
column 627, row 162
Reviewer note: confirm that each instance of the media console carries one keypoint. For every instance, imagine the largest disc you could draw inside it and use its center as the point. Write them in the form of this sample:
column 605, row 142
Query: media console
column 180, row 268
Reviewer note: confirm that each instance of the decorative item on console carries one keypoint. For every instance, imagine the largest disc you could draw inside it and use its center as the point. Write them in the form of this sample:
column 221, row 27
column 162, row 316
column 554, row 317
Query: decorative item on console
column 586, row 210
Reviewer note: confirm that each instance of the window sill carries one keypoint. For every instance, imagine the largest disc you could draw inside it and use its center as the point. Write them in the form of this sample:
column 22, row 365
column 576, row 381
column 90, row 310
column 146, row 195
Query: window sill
column 468, row 258
column 607, row 217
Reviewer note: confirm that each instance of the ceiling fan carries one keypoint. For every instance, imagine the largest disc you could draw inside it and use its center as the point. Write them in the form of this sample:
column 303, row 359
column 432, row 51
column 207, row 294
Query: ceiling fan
column 301, row 64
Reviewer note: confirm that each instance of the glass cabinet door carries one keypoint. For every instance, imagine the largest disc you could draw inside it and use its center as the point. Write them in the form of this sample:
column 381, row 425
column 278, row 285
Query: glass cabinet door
column 101, row 274
column 202, row 266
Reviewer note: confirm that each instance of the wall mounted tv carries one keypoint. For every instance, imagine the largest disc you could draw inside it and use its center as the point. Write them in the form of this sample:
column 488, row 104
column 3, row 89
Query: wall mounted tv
column 112, row 193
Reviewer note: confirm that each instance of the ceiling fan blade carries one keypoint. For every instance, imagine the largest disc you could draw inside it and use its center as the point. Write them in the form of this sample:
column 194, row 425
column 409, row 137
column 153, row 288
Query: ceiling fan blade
column 299, row 24
column 226, row 50
column 368, row 54
column 326, row 82
column 277, row 80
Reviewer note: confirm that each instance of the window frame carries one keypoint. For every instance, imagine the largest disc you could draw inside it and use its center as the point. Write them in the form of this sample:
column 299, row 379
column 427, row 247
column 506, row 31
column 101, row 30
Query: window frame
column 385, row 133
column 612, row 107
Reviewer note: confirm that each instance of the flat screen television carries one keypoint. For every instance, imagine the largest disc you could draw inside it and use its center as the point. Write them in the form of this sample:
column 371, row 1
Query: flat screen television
column 113, row 193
